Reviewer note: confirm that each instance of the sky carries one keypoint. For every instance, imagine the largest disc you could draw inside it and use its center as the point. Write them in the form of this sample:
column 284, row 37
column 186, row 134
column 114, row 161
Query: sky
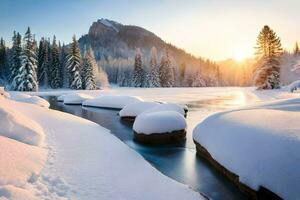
column 214, row 29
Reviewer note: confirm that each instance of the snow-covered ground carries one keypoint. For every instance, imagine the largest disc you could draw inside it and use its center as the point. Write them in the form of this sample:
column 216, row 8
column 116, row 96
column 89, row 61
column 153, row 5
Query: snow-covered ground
column 260, row 143
column 85, row 161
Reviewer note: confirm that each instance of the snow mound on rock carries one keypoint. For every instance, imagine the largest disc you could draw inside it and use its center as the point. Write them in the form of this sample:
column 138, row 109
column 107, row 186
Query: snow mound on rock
column 76, row 98
column 261, row 144
column 112, row 101
column 61, row 98
column 159, row 122
column 134, row 109
column 168, row 107
column 15, row 125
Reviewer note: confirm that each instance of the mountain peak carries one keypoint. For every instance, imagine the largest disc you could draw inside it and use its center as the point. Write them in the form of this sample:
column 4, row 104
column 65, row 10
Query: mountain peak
column 110, row 24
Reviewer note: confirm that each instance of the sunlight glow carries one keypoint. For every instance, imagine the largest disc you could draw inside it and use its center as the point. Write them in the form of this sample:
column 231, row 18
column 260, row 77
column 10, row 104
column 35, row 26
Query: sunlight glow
column 240, row 56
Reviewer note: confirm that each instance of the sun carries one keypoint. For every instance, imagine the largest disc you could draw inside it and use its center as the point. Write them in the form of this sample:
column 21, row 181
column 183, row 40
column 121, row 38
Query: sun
column 240, row 56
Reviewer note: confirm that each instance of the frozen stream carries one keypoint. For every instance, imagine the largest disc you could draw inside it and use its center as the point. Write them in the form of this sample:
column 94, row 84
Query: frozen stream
column 177, row 161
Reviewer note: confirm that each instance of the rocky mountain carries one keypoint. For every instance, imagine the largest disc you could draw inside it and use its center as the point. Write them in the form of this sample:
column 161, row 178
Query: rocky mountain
column 115, row 44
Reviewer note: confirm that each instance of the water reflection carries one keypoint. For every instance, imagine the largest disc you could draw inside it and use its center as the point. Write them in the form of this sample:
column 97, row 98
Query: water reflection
column 177, row 161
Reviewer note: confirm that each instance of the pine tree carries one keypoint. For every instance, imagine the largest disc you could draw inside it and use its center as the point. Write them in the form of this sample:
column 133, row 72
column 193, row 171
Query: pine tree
column 3, row 60
column 153, row 79
column 296, row 49
column 74, row 65
column 166, row 71
column 89, row 69
column 55, row 81
column 43, row 63
column 268, row 53
column 15, row 60
column 27, row 78
column 63, row 67
column 138, row 72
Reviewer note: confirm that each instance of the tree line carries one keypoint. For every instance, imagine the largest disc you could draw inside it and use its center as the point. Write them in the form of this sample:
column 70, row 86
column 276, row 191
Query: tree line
column 27, row 66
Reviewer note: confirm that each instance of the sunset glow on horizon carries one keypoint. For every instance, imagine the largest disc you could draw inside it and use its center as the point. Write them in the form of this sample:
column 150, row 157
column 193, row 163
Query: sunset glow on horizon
column 216, row 30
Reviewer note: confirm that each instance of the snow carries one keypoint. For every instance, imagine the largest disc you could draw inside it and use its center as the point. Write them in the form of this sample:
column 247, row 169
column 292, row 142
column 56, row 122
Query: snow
column 85, row 161
column 61, row 98
column 22, row 156
column 294, row 86
column 159, row 122
column 134, row 109
column 21, row 97
column 3, row 93
column 36, row 101
column 108, row 24
column 76, row 98
column 112, row 101
column 168, row 107
column 259, row 143
column 15, row 125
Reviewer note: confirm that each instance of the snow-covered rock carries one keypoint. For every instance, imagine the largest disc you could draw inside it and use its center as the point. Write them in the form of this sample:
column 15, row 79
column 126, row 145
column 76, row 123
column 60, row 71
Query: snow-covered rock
column 159, row 122
column 112, row 101
column 260, row 144
column 134, row 109
column 61, row 98
column 76, row 98
column 168, row 107
column 159, row 127
column 17, row 126
column 294, row 86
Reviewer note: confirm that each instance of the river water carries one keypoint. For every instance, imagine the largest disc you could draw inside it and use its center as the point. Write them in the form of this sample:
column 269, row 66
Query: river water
column 178, row 161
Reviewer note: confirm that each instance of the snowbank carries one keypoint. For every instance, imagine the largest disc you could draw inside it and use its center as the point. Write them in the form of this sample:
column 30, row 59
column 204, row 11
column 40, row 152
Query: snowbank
column 15, row 125
column 3, row 93
column 36, row 101
column 21, row 157
column 260, row 144
column 168, row 107
column 76, row 98
column 21, row 97
column 112, row 101
column 94, row 164
column 61, row 98
column 159, row 122
column 134, row 109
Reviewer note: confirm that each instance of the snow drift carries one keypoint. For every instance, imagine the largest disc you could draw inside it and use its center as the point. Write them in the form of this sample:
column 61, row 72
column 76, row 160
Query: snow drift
column 261, row 144
column 15, row 125
column 112, row 101
column 76, row 98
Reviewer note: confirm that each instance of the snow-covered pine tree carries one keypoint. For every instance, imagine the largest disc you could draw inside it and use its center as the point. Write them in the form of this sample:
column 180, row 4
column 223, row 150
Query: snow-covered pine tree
column 153, row 77
column 296, row 49
column 44, row 63
column 89, row 69
column 74, row 65
column 3, row 61
column 27, row 77
column 15, row 60
column 198, row 80
column 166, row 71
column 55, row 74
column 138, row 72
column 268, row 53
column 63, row 68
